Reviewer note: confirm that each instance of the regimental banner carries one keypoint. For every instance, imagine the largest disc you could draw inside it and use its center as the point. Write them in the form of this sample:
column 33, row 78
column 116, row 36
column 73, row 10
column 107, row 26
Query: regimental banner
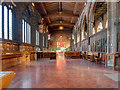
column 41, row 28
column 49, row 36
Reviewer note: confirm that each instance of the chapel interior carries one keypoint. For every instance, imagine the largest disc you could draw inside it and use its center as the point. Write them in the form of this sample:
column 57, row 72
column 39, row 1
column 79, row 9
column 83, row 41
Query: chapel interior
column 59, row 44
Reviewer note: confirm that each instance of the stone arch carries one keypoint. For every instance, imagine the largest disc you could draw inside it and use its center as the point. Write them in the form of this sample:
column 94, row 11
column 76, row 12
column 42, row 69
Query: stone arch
column 83, row 27
column 91, row 17
column 98, row 25
column 105, row 21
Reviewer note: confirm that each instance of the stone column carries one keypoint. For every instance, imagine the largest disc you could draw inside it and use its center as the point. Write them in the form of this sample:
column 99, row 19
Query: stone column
column 88, row 34
column 80, row 40
column 111, row 33
column 41, row 41
column 75, row 41
column 91, row 18
column 118, row 27
column 17, row 31
column 34, row 27
column 46, row 39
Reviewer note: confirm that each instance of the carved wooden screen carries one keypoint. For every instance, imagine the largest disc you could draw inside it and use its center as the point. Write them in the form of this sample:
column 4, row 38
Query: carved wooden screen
column 98, row 42
column 84, row 45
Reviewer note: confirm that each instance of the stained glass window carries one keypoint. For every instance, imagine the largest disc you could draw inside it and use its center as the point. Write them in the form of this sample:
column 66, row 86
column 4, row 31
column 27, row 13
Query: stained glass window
column 100, row 27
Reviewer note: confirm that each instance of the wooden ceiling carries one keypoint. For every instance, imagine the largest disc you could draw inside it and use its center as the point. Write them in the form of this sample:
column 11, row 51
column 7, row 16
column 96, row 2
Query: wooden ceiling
column 56, row 14
column 100, row 10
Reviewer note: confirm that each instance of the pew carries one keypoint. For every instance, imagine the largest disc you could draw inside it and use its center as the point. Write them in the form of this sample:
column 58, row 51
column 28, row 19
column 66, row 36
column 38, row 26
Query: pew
column 46, row 54
column 72, row 54
column 94, row 56
column 51, row 55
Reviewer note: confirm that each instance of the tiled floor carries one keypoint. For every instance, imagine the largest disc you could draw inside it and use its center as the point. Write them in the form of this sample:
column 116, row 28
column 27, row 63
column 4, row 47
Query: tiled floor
column 62, row 73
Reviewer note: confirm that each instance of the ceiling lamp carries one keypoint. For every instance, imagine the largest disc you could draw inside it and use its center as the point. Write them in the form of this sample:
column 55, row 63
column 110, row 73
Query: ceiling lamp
column 61, row 27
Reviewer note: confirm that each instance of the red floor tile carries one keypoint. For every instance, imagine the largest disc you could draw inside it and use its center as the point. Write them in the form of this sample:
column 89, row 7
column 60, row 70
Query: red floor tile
column 61, row 73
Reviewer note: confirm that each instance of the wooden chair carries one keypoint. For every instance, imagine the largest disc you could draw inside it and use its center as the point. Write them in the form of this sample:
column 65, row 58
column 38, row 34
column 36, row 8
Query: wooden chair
column 98, row 58
column 91, row 56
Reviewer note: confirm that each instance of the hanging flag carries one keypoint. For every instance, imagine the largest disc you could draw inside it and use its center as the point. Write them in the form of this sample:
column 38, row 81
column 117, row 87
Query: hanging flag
column 49, row 36
column 41, row 28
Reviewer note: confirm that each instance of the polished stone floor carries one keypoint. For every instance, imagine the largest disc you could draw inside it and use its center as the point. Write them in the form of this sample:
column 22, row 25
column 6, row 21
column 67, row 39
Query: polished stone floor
column 62, row 73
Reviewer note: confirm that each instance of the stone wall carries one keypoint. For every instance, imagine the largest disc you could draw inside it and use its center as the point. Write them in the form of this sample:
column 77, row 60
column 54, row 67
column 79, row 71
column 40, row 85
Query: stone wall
column 19, row 13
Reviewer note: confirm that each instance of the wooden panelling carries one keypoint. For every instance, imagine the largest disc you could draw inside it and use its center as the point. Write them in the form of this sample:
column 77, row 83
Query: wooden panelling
column 29, row 51
column 72, row 54
column 12, row 56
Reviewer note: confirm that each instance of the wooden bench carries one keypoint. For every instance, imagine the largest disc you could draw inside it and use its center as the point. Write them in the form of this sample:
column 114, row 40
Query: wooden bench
column 46, row 55
column 72, row 54
column 52, row 55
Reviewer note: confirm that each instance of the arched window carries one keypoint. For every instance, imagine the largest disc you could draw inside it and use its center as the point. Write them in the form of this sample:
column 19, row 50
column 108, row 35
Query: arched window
column 10, row 22
column 74, row 41
column 26, row 32
column 37, row 37
column 100, row 27
column 82, row 35
column 93, row 30
column 6, row 22
column 106, row 26
column 78, row 38
column 23, row 31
